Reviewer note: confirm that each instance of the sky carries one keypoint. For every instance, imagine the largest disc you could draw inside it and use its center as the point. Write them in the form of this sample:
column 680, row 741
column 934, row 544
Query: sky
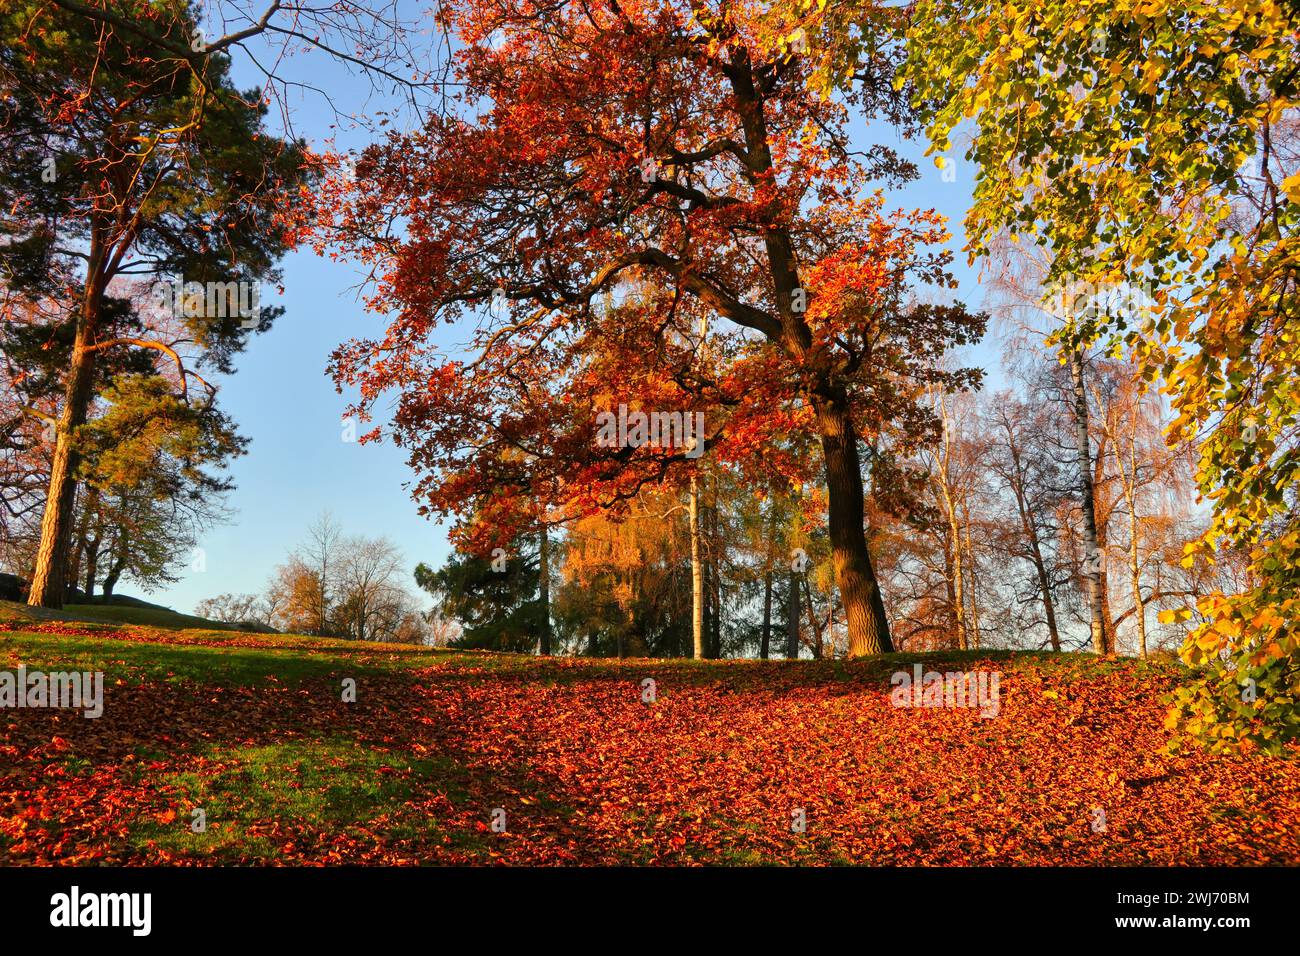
column 298, row 463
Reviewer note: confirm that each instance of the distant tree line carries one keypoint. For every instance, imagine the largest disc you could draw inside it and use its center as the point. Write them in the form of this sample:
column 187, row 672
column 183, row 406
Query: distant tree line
column 334, row 585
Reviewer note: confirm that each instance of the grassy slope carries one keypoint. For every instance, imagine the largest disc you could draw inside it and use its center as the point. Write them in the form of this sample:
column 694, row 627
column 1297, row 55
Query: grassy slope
column 146, row 616
column 252, row 729
column 111, row 614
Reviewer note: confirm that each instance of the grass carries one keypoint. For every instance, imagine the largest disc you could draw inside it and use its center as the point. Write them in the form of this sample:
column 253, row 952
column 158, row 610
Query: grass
column 196, row 652
column 136, row 662
column 157, row 617
column 327, row 785
column 145, row 616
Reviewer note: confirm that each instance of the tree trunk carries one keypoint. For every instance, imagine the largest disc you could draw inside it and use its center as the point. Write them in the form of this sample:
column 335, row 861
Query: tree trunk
column 1107, row 619
column 792, row 617
column 948, row 578
column 697, row 575
column 958, row 575
column 954, row 563
column 321, row 623
column 77, row 549
column 1092, row 552
column 765, row 646
column 1045, row 588
column 1102, row 520
column 1139, row 606
column 715, row 592
column 92, row 561
column 1135, row 563
column 863, row 606
column 818, row 649
column 115, row 572
column 971, row 569
column 49, row 574
column 1030, row 528
column 89, row 549
column 544, row 588
column 1129, row 480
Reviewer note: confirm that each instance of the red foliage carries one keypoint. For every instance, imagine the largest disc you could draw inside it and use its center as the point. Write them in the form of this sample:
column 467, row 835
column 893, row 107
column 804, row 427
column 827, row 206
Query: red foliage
column 615, row 176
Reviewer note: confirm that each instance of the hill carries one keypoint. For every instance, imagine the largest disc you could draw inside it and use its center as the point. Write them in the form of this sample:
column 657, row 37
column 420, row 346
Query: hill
column 122, row 610
column 724, row 765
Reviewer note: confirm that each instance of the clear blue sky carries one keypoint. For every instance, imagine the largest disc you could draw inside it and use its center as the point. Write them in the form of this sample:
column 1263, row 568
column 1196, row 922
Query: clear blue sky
column 298, row 464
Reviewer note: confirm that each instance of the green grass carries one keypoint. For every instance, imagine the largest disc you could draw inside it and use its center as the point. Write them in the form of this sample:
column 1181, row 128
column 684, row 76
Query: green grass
column 145, row 616
column 330, row 785
column 218, row 666
column 256, row 661
column 112, row 614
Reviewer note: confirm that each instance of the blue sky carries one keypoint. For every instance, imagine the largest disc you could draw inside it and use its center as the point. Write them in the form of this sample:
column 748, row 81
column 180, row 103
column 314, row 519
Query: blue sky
column 298, row 463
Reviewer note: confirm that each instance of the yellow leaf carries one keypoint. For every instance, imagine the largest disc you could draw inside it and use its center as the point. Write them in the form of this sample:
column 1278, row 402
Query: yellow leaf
column 1291, row 186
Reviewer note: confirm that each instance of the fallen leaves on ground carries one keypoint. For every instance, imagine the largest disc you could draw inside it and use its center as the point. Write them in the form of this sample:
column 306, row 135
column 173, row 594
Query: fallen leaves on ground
column 1071, row 771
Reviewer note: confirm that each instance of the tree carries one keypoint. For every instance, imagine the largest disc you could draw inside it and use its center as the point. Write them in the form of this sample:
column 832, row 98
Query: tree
column 36, row 336
column 950, row 476
column 366, row 599
column 1151, row 140
column 1149, row 475
column 544, row 588
column 646, row 144
column 293, row 596
column 1024, row 467
column 127, row 161
column 1092, row 562
column 493, row 598
column 371, row 605
column 151, row 476
column 318, row 558
column 232, row 609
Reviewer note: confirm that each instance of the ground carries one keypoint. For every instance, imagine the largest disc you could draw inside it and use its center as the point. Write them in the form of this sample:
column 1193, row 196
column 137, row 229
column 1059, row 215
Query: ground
column 580, row 768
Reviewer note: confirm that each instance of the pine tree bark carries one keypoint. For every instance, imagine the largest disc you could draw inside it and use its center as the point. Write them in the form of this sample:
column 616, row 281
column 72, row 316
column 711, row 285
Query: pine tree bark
column 49, row 574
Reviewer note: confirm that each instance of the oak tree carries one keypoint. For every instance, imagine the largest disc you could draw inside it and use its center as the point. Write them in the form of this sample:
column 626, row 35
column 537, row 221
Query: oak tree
column 647, row 145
